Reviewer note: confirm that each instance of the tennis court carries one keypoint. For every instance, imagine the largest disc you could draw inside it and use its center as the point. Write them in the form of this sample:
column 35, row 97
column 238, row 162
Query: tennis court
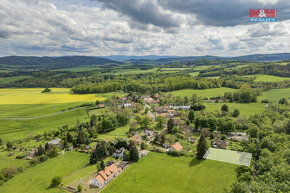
column 234, row 157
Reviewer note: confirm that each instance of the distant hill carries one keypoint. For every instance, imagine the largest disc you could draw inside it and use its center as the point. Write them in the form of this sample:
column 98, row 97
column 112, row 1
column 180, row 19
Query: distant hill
column 36, row 63
column 254, row 57
column 146, row 57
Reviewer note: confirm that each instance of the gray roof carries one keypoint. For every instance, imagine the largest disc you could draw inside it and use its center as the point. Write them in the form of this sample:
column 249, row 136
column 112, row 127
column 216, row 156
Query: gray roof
column 55, row 141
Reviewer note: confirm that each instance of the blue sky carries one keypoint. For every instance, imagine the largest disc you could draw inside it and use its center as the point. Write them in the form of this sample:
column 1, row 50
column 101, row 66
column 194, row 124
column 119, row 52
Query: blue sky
column 140, row 27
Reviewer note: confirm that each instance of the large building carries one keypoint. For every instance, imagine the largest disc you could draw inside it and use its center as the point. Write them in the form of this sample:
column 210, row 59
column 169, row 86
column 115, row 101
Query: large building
column 106, row 175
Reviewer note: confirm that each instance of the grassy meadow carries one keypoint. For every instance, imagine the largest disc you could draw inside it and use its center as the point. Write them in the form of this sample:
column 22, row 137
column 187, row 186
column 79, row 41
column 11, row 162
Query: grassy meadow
column 268, row 78
column 275, row 95
column 163, row 173
column 246, row 109
column 11, row 129
column 10, row 161
column 37, row 179
column 213, row 92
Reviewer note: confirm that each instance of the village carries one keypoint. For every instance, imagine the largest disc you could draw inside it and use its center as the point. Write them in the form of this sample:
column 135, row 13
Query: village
column 167, row 129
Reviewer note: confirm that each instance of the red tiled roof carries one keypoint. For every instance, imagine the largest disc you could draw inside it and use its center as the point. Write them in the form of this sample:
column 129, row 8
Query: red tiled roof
column 177, row 146
column 100, row 178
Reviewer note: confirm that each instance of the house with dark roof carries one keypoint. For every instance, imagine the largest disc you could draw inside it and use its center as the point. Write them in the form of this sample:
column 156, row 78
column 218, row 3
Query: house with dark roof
column 218, row 143
column 122, row 165
column 119, row 153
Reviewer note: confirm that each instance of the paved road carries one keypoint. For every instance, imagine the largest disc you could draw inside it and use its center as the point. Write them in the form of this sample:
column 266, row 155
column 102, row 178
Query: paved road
column 23, row 118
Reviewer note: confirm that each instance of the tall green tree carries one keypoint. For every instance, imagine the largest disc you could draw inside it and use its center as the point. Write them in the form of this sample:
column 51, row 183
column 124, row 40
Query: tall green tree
column 145, row 122
column 160, row 122
column 134, row 154
column 191, row 116
column 247, row 94
column 201, row 147
column 99, row 154
column 170, row 125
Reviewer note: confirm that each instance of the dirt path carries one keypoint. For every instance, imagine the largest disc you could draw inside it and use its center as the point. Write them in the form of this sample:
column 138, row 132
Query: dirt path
column 23, row 118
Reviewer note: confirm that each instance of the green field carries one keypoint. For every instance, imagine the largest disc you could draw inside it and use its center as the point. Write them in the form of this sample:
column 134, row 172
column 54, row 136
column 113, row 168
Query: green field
column 268, row 78
column 37, row 179
column 246, row 109
column 213, row 92
column 275, row 95
column 120, row 132
column 163, row 173
column 18, row 129
column 5, row 80
column 10, row 161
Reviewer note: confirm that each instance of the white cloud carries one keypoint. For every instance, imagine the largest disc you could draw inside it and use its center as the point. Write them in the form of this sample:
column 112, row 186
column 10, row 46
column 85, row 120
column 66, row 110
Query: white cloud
column 72, row 27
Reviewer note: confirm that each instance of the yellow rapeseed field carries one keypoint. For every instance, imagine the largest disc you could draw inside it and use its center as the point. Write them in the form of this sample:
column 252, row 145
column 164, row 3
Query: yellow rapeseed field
column 34, row 96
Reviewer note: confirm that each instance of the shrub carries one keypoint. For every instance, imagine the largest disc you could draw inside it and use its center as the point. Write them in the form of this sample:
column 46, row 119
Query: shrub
column 143, row 145
column 43, row 158
column 80, row 188
column 212, row 135
column 236, row 113
column 56, row 180
column 34, row 161
column 265, row 101
column 223, row 137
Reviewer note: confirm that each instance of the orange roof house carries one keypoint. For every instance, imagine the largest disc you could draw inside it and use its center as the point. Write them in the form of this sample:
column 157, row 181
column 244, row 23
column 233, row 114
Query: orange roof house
column 106, row 175
column 176, row 147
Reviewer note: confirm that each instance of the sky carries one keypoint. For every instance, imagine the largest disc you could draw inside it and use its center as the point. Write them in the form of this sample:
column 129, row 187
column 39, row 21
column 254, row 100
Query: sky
column 141, row 27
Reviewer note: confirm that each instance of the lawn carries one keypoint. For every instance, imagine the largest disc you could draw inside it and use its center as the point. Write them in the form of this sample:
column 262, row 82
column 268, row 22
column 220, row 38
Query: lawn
column 18, row 129
column 213, row 92
column 246, row 109
column 269, row 78
column 275, row 95
column 163, row 173
column 37, row 179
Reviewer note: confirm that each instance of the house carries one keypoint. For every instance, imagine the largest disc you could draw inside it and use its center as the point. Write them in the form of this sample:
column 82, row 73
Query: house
column 148, row 132
column 148, row 100
column 119, row 153
column 105, row 176
column 101, row 106
column 171, row 113
column 180, row 107
column 127, row 105
column 122, row 165
column 143, row 153
column 137, row 139
column 55, row 142
column 192, row 140
column 161, row 109
column 166, row 146
column 219, row 144
column 176, row 147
